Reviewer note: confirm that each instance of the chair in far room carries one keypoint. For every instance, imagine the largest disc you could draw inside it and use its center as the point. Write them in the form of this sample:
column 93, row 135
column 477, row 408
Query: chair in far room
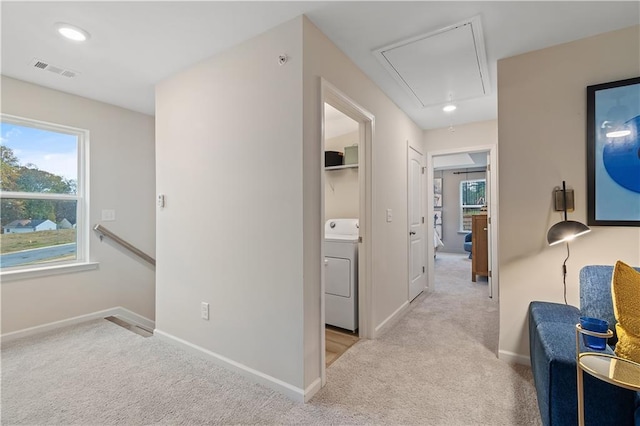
column 467, row 244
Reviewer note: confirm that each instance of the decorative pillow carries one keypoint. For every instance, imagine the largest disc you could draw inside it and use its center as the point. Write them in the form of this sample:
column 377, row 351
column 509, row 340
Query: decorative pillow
column 625, row 291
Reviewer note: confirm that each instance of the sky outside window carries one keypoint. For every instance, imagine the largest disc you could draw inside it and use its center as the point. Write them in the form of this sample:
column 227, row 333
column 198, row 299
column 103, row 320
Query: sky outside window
column 54, row 152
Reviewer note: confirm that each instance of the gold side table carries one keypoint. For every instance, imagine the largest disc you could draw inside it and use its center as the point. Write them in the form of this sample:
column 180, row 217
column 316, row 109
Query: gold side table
column 609, row 368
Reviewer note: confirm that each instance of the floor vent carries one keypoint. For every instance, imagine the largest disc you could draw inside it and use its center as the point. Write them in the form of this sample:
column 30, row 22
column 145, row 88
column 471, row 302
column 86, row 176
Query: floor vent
column 45, row 66
column 142, row 331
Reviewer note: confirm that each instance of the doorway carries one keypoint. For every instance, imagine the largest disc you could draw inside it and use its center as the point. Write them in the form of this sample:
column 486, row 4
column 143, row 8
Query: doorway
column 462, row 183
column 341, row 231
column 346, row 139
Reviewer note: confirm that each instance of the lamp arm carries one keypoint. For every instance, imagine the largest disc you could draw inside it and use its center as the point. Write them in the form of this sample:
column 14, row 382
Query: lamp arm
column 564, row 199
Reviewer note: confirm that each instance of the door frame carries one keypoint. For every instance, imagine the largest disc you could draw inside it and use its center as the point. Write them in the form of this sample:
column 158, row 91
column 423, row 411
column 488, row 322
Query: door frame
column 494, row 286
column 337, row 99
column 423, row 198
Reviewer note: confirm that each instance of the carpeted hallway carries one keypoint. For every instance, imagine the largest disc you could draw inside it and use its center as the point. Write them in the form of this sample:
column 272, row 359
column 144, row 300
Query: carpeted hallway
column 436, row 366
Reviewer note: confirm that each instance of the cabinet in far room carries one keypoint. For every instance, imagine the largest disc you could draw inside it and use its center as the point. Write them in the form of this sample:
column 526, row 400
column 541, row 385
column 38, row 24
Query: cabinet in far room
column 479, row 247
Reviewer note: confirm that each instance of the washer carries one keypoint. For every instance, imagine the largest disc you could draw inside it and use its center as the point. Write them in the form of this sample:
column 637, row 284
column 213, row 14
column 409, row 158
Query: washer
column 341, row 272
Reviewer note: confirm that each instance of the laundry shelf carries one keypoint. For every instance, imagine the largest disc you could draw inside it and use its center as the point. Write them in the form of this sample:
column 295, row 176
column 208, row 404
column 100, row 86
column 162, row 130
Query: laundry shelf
column 344, row 166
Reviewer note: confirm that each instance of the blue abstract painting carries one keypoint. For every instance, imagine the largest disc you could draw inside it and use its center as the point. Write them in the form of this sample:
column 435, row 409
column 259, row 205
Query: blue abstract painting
column 614, row 124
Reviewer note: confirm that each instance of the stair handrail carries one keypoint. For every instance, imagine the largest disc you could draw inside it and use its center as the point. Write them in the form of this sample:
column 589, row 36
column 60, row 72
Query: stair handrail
column 104, row 232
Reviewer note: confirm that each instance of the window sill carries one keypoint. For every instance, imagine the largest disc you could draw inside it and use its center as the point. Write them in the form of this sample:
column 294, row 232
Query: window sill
column 25, row 274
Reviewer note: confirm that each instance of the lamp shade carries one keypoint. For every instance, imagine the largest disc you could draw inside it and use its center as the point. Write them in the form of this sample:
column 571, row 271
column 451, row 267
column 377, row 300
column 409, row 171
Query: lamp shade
column 566, row 230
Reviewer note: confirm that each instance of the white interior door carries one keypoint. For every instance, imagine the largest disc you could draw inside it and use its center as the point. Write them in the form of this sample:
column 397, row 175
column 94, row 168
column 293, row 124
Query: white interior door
column 415, row 207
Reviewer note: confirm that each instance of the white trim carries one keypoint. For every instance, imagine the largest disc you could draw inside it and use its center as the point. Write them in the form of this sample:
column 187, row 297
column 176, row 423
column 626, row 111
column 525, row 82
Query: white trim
column 82, row 180
column 393, row 318
column 82, row 212
column 24, row 274
column 39, row 196
column 494, row 288
column 118, row 311
column 256, row 376
column 514, row 358
column 312, row 389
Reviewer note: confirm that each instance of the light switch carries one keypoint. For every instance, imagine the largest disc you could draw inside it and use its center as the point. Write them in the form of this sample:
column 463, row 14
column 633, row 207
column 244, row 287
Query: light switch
column 389, row 215
column 108, row 215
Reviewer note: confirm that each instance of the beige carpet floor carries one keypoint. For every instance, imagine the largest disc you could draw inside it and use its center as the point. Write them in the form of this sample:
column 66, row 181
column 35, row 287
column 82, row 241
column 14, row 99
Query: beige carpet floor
column 435, row 366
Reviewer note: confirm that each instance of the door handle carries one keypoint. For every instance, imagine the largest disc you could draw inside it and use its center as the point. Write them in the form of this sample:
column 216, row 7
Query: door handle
column 412, row 233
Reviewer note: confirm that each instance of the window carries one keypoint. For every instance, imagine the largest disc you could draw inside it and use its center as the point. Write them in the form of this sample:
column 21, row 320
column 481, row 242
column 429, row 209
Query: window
column 42, row 194
column 472, row 199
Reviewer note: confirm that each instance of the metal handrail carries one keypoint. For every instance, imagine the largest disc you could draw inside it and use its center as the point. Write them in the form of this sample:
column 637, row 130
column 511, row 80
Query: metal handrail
column 104, row 232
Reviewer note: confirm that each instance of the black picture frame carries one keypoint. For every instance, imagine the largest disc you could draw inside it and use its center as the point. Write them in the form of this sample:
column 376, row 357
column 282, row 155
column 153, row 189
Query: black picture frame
column 613, row 153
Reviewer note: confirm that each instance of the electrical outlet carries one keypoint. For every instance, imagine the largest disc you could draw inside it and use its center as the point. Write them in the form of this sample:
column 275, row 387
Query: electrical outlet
column 389, row 215
column 204, row 311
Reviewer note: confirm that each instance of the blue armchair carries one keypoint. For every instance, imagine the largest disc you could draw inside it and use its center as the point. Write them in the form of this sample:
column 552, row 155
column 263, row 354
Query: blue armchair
column 467, row 244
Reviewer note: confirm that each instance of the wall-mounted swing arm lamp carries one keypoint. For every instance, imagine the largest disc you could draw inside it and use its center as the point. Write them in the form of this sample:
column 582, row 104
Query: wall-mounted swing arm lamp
column 567, row 230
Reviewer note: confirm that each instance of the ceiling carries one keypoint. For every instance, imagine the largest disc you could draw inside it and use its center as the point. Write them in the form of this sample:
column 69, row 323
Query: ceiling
column 336, row 123
column 134, row 45
column 468, row 161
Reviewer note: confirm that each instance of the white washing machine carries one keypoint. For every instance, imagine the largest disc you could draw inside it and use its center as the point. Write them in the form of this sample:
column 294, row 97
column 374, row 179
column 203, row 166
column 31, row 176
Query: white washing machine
column 341, row 272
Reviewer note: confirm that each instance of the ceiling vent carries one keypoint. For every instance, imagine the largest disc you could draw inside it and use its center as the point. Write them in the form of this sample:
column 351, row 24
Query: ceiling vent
column 445, row 65
column 43, row 65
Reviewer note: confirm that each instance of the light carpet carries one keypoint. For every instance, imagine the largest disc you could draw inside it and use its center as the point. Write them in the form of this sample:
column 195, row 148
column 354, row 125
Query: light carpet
column 435, row 366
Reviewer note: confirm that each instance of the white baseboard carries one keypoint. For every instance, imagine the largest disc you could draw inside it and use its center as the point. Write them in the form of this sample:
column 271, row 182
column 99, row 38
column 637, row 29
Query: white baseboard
column 514, row 358
column 312, row 389
column 392, row 318
column 118, row 311
column 255, row 376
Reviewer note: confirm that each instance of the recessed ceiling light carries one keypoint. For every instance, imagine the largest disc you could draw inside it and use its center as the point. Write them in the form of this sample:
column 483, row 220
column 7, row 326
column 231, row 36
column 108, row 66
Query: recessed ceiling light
column 449, row 108
column 72, row 32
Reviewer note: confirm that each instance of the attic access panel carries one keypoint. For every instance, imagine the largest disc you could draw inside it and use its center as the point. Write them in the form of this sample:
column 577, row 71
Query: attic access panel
column 441, row 66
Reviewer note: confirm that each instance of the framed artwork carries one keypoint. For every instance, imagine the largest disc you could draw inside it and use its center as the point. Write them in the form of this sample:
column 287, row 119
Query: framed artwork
column 613, row 153
column 437, row 192
column 437, row 217
column 437, row 222
column 438, row 230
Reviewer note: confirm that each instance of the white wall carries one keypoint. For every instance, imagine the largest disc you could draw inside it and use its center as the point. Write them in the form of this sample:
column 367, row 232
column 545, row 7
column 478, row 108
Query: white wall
column 466, row 135
column 392, row 131
column 542, row 131
column 229, row 160
column 238, row 157
column 121, row 178
column 341, row 190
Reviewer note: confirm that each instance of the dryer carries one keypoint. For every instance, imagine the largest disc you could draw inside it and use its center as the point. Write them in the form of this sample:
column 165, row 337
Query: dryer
column 341, row 272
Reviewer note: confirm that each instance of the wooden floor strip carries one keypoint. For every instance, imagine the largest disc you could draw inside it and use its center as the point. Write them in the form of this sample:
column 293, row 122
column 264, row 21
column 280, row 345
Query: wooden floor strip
column 336, row 343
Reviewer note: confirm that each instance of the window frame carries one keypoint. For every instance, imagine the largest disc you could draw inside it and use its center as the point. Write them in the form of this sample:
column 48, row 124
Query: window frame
column 468, row 206
column 81, row 262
